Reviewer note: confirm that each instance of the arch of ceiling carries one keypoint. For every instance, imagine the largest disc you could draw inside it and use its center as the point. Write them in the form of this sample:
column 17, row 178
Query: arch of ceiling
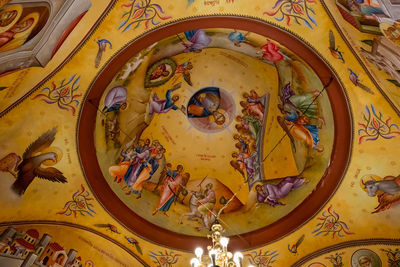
column 346, row 216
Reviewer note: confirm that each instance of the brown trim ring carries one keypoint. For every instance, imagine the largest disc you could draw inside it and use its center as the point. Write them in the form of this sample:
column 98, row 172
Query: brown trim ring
column 307, row 209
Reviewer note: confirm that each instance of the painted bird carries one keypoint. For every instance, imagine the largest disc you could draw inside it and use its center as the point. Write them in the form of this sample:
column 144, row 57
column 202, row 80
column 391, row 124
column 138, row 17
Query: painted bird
column 354, row 79
column 134, row 242
column 294, row 248
column 32, row 160
column 102, row 47
column 332, row 47
column 110, row 227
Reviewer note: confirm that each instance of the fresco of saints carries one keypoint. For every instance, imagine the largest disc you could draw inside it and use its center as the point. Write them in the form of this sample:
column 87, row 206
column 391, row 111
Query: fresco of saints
column 169, row 190
column 205, row 103
column 368, row 8
column 18, row 34
column 115, row 99
column 237, row 38
column 149, row 167
column 140, row 156
column 269, row 193
column 118, row 172
column 298, row 111
column 160, row 72
column 159, row 106
column 198, row 40
column 207, row 203
column 9, row 17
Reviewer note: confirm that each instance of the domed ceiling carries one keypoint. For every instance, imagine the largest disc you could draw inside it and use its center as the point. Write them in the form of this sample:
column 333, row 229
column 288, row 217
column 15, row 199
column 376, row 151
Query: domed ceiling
column 149, row 121
column 208, row 108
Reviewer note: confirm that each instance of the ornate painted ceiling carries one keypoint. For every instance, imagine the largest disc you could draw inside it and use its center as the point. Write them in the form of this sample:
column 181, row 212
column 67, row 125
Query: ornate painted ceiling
column 129, row 127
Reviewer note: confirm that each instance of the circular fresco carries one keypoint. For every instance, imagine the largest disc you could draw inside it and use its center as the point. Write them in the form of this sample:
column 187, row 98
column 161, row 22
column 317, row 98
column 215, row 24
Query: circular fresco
column 211, row 109
column 365, row 258
column 201, row 126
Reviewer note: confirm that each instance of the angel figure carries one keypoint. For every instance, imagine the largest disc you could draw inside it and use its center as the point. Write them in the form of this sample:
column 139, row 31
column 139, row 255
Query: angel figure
column 184, row 69
column 298, row 111
column 37, row 155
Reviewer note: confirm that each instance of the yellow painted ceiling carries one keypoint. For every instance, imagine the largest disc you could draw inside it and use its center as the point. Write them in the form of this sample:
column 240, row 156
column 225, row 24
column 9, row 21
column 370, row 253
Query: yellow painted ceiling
column 344, row 220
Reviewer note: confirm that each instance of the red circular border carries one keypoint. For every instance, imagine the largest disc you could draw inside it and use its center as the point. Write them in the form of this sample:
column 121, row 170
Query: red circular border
column 308, row 208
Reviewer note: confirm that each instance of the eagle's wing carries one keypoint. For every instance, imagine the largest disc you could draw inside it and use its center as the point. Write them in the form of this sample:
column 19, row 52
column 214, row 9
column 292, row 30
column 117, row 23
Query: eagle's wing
column 331, row 40
column 41, row 143
column 51, row 174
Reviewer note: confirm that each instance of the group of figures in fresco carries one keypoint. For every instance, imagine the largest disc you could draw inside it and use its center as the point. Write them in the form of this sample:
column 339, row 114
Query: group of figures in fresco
column 207, row 109
column 300, row 118
column 140, row 160
column 138, row 164
column 249, row 137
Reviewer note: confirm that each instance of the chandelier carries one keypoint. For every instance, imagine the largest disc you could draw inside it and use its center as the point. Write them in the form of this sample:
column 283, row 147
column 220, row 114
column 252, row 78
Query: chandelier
column 218, row 253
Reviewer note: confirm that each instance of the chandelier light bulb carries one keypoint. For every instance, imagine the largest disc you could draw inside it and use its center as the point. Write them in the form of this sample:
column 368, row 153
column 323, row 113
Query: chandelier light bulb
column 199, row 252
column 224, row 241
column 194, row 262
column 213, row 254
column 237, row 258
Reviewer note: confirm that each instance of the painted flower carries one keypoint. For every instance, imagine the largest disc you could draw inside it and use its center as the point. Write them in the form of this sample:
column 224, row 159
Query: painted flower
column 296, row 10
column 64, row 95
column 141, row 11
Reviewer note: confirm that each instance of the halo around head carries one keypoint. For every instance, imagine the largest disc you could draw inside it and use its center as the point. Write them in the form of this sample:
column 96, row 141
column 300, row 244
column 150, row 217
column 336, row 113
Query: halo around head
column 11, row 8
column 368, row 177
column 53, row 149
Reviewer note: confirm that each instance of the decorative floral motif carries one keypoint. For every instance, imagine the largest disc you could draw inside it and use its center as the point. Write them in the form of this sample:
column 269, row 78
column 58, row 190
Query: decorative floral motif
column 79, row 204
column 164, row 260
column 261, row 259
column 298, row 10
column 64, row 95
column 141, row 11
column 331, row 224
column 374, row 126
column 393, row 257
column 336, row 259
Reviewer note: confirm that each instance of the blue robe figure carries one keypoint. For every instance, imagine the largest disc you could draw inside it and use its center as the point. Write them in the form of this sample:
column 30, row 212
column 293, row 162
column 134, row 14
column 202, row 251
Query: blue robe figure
column 313, row 129
column 204, row 103
column 237, row 38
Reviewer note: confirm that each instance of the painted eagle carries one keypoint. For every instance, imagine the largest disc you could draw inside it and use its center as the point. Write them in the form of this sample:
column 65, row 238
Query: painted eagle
column 32, row 160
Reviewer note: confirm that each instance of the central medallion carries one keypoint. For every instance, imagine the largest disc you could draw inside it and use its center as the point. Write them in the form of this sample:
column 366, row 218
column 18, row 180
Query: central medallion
column 211, row 109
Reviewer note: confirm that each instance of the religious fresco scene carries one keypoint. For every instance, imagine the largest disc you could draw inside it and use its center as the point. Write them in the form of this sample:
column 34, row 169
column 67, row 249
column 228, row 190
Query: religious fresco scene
column 131, row 129
column 150, row 115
